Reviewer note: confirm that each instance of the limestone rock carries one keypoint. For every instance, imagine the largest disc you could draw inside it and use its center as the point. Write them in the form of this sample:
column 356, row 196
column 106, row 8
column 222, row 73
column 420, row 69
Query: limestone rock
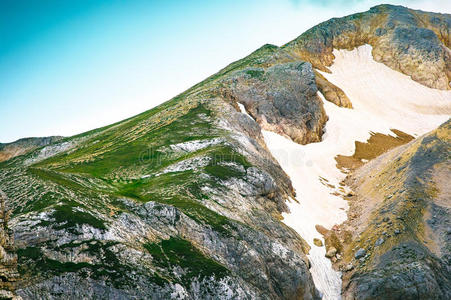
column 332, row 92
column 379, row 242
column 317, row 242
column 282, row 99
column 331, row 252
column 360, row 253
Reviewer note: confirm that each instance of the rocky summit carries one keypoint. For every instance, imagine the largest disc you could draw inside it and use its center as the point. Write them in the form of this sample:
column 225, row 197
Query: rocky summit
column 189, row 201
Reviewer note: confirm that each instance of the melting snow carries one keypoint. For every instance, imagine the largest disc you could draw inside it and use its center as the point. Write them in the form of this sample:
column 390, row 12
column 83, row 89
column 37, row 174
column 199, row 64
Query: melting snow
column 382, row 99
column 243, row 110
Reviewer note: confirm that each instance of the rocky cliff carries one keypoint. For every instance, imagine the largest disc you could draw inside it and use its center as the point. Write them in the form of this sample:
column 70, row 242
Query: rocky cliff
column 185, row 200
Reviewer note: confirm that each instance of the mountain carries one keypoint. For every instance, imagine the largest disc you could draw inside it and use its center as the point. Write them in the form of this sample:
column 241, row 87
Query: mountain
column 402, row 217
column 23, row 146
column 199, row 197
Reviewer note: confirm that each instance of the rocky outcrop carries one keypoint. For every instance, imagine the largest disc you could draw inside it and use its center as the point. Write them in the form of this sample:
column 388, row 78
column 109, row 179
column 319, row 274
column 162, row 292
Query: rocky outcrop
column 413, row 42
column 282, row 98
column 396, row 242
column 331, row 92
column 8, row 258
column 24, row 146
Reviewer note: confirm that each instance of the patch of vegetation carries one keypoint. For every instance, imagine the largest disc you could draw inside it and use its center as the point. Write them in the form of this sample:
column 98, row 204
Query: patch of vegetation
column 223, row 172
column 226, row 154
column 256, row 73
column 181, row 190
column 70, row 217
column 222, row 163
column 121, row 150
column 38, row 203
column 33, row 261
column 66, row 216
column 55, row 177
column 177, row 252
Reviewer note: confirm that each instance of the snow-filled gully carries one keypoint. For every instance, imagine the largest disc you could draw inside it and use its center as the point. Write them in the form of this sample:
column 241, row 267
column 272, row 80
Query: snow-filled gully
column 382, row 99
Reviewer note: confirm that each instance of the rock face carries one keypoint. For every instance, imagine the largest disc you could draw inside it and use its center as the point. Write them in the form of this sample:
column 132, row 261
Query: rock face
column 332, row 92
column 401, row 239
column 413, row 42
column 8, row 257
column 283, row 99
column 317, row 242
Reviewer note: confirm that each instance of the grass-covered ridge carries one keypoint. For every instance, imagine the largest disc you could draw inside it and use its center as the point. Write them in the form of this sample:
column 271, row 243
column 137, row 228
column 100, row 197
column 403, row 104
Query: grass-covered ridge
column 131, row 162
column 136, row 159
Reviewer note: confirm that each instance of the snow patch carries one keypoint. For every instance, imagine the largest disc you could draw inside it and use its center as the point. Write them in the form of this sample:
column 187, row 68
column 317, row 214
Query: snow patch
column 243, row 110
column 304, row 165
column 382, row 99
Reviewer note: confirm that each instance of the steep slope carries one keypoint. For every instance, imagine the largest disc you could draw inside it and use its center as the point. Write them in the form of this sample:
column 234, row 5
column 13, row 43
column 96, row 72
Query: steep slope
column 186, row 200
column 401, row 246
column 181, row 201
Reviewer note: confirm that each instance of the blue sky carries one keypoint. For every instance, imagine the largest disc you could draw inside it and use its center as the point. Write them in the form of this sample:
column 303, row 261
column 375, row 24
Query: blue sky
column 70, row 66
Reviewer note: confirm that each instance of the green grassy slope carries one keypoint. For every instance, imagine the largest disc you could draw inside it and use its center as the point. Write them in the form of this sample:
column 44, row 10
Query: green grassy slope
column 172, row 169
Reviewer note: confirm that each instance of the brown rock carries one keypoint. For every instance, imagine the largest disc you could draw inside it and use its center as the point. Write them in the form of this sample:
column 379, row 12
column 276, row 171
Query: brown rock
column 317, row 242
column 331, row 252
column 331, row 92
column 321, row 229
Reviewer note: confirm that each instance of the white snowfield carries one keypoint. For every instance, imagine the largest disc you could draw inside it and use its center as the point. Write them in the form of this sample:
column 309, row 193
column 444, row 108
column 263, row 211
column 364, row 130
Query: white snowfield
column 382, row 99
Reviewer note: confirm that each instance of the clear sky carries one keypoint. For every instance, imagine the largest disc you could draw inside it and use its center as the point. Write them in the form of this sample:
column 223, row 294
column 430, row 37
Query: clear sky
column 73, row 65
